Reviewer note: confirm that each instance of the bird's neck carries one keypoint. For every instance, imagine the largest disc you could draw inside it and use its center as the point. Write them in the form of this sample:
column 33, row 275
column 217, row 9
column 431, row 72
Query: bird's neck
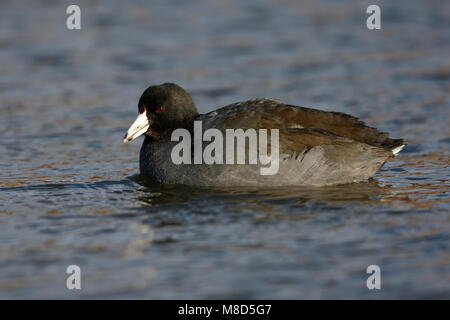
column 165, row 133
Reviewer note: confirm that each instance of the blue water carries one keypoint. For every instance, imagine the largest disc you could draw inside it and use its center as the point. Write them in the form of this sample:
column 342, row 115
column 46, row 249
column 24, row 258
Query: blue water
column 70, row 190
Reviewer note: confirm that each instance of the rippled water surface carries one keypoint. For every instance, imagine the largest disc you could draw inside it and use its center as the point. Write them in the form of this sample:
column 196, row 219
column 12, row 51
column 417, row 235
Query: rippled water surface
column 70, row 192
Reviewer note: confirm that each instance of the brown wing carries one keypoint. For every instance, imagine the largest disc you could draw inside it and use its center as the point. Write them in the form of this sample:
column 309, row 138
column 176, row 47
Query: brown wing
column 296, row 140
column 345, row 125
column 327, row 157
column 270, row 114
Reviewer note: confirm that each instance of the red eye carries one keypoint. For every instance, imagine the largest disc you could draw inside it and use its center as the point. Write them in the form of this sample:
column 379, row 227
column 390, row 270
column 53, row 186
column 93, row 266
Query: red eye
column 160, row 109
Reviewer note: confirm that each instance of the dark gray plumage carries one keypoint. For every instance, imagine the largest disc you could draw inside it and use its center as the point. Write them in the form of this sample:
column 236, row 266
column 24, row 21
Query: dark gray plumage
column 317, row 148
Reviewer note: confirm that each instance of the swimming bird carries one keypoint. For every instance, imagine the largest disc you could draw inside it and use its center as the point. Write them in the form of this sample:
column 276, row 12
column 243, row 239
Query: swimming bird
column 316, row 148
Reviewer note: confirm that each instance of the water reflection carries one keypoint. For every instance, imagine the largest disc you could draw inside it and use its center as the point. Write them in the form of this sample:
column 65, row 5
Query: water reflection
column 366, row 192
column 414, row 186
column 69, row 192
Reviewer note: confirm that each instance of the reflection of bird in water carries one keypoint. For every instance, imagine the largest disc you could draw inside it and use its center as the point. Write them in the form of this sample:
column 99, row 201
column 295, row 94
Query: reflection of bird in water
column 368, row 192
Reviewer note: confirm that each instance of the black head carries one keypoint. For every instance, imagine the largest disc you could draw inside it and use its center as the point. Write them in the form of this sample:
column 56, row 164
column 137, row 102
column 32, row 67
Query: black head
column 167, row 107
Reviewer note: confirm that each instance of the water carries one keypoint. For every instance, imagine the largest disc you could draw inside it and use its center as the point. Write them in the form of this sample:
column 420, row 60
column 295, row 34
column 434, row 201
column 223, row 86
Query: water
column 70, row 192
